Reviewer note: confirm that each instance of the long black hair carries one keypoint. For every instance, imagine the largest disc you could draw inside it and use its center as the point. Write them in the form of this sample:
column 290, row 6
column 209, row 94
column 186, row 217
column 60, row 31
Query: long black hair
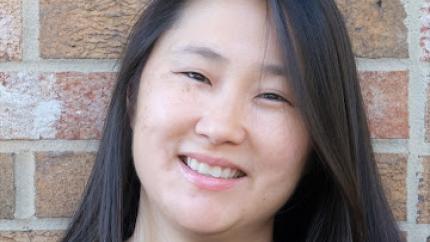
column 339, row 199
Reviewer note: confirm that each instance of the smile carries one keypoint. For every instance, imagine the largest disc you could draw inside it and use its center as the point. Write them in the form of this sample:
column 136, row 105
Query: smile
column 213, row 171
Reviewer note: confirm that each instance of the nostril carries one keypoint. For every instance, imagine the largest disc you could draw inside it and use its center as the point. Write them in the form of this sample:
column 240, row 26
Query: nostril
column 221, row 129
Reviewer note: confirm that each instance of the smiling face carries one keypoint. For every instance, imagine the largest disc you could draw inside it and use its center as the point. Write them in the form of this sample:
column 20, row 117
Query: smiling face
column 213, row 94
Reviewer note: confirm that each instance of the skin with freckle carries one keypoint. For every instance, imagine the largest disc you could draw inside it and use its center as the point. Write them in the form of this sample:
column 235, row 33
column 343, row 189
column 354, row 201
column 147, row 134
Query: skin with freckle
column 232, row 108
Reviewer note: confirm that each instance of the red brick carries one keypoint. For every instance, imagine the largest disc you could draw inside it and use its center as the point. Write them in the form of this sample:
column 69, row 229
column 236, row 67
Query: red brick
column 85, row 98
column 85, row 29
column 60, row 180
column 67, row 105
column 376, row 28
column 10, row 30
column 425, row 31
column 31, row 236
column 7, row 186
column 386, row 102
column 393, row 171
column 423, row 207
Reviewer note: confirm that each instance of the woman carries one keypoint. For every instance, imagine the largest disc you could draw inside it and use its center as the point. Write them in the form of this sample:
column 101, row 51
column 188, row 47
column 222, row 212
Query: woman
column 236, row 120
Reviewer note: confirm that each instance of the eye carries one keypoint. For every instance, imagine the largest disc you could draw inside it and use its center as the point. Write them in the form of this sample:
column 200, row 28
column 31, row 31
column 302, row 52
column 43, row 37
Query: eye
column 274, row 97
column 197, row 76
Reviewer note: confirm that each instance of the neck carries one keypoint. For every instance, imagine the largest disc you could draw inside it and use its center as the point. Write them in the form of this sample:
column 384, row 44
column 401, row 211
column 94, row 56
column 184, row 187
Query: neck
column 153, row 226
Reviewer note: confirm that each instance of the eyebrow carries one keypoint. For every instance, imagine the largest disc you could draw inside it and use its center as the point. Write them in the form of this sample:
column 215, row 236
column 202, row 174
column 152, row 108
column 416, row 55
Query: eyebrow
column 208, row 53
column 205, row 52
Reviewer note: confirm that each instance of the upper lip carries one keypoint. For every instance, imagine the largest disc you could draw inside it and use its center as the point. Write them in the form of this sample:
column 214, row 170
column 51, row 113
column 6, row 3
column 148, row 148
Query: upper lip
column 213, row 161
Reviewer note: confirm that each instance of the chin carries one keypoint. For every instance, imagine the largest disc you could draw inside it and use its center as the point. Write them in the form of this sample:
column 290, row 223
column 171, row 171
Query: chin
column 205, row 222
column 206, row 227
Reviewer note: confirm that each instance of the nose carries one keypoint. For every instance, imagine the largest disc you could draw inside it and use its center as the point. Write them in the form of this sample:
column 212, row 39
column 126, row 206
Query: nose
column 222, row 123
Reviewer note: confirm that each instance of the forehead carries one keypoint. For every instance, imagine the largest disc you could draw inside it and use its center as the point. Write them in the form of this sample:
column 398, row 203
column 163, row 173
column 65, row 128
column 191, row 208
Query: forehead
column 235, row 28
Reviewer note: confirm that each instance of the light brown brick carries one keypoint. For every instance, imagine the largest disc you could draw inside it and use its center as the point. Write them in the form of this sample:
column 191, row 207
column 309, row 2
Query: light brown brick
column 60, row 180
column 386, row 102
column 85, row 29
column 69, row 105
column 427, row 114
column 98, row 29
column 376, row 27
column 425, row 31
column 7, row 186
column 10, row 30
column 393, row 171
column 423, row 207
column 31, row 236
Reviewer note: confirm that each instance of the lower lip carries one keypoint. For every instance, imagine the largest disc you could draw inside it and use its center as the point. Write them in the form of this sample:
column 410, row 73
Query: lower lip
column 206, row 182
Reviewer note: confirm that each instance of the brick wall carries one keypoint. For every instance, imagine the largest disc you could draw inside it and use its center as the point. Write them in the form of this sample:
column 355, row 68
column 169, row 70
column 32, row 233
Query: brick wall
column 57, row 70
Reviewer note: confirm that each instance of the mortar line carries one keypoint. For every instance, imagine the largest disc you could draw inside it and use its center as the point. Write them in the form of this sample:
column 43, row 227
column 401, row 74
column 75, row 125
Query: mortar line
column 49, row 145
column 77, row 65
column 416, row 100
column 24, row 182
column 390, row 146
column 30, row 36
column 384, row 64
column 34, row 224
column 414, row 226
column 418, row 232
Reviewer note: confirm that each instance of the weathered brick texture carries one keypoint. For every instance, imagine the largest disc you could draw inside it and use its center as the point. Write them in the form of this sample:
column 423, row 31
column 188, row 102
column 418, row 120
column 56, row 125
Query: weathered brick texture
column 425, row 31
column 376, row 28
column 60, row 180
column 386, row 101
column 393, row 171
column 10, row 30
column 31, row 236
column 423, row 216
column 85, row 29
column 68, row 105
column 7, row 186
column 98, row 29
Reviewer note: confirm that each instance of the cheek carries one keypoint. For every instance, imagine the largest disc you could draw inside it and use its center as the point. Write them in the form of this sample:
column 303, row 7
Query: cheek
column 161, row 109
column 162, row 120
column 282, row 140
column 159, row 128
column 282, row 149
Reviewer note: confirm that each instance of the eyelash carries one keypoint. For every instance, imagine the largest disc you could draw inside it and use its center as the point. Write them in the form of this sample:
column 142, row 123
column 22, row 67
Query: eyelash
column 201, row 78
column 197, row 76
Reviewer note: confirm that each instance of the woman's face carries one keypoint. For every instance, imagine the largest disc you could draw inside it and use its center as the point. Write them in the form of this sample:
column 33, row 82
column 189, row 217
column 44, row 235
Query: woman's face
column 213, row 93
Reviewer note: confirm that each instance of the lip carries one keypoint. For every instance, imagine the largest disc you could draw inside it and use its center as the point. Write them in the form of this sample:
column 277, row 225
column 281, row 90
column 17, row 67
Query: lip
column 206, row 182
column 213, row 161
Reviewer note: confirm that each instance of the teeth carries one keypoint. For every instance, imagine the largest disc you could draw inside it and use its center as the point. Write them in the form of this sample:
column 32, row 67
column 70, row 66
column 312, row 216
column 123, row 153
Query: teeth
column 193, row 164
column 226, row 172
column 204, row 169
column 214, row 171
